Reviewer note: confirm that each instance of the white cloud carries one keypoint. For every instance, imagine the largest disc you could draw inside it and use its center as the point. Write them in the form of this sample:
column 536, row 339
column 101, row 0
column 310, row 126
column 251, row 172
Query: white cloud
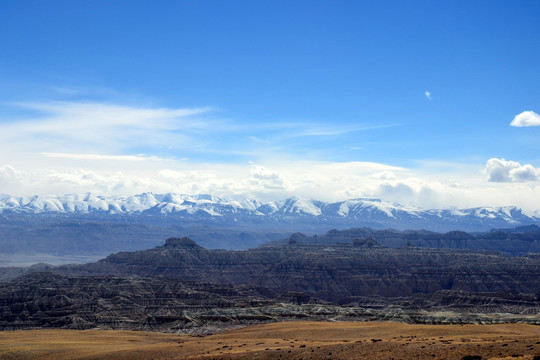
column 526, row 118
column 171, row 174
column 399, row 189
column 100, row 182
column 8, row 172
column 453, row 183
column 265, row 179
column 524, row 173
column 413, row 191
column 385, row 175
column 11, row 179
column 501, row 170
column 83, row 127
column 427, row 94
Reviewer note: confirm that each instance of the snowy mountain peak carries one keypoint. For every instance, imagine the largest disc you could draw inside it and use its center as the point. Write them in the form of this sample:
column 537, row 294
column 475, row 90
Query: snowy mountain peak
column 353, row 212
column 89, row 197
column 299, row 205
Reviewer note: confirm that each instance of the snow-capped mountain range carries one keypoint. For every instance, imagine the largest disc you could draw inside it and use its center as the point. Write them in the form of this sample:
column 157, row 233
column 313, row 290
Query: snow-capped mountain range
column 353, row 212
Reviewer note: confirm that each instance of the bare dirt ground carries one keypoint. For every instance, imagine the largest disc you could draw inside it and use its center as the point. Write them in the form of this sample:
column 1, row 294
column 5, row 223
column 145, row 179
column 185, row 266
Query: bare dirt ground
column 285, row 340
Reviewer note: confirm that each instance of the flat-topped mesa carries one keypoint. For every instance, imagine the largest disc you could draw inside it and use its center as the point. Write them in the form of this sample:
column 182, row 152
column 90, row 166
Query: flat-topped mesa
column 182, row 243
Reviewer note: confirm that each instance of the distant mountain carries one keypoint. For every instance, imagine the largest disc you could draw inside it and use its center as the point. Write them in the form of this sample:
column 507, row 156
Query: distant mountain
column 296, row 210
column 527, row 229
column 514, row 242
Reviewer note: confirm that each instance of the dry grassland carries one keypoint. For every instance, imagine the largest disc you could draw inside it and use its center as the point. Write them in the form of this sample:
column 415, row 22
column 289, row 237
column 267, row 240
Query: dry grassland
column 286, row 340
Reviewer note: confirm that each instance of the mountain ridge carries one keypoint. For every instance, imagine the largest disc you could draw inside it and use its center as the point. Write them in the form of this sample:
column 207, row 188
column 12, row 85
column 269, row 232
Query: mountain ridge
column 359, row 211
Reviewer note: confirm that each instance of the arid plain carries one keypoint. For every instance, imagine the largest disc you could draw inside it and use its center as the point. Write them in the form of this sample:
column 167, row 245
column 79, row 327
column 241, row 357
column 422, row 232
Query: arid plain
column 285, row 340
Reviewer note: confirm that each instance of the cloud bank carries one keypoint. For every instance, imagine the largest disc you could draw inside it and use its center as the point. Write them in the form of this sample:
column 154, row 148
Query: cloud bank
column 326, row 181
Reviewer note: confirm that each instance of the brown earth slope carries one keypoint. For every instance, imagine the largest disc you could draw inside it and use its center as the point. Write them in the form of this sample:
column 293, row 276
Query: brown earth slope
column 285, row 340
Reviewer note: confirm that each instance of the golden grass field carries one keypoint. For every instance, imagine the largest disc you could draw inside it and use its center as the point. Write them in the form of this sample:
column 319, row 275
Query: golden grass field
column 285, row 340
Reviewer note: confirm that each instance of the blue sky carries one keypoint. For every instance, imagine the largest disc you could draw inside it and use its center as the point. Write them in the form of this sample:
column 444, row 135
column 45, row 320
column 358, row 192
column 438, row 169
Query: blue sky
column 410, row 101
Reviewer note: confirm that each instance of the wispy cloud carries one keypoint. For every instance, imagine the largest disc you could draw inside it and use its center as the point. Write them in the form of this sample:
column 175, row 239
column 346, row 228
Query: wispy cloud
column 337, row 130
column 427, row 94
column 278, row 132
column 79, row 127
column 101, row 157
column 526, row 118
column 112, row 131
column 293, row 128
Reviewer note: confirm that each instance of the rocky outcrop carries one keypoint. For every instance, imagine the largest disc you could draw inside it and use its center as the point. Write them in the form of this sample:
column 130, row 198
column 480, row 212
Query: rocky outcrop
column 183, row 243
column 52, row 300
column 339, row 274
column 46, row 299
